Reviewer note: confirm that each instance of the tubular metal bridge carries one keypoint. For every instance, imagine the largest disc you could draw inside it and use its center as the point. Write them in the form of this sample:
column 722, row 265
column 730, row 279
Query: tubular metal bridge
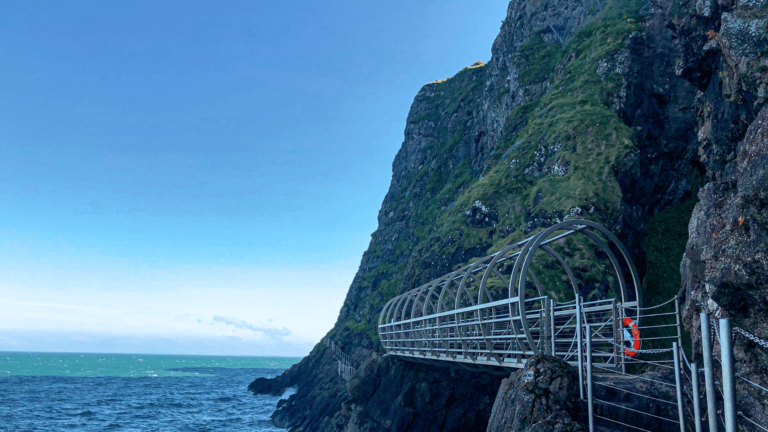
column 498, row 311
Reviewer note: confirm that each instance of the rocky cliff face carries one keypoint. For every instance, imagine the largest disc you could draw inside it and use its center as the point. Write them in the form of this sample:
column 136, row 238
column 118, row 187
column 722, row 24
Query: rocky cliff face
column 725, row 268
column 611, row 115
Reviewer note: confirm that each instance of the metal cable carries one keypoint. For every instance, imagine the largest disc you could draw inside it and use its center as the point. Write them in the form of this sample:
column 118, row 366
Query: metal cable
column 637, row 411
column 634, row 376
column 750, row 420
column 651, row 351
column 754, row 384
column 685, row 358
column 637, row 394
column 618, row 422
column 685, row 374
column 651, row 307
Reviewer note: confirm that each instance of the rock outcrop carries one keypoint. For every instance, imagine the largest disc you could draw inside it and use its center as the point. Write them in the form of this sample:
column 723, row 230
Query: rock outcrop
column 726, row 264
column 542, row 397
column 390, row 394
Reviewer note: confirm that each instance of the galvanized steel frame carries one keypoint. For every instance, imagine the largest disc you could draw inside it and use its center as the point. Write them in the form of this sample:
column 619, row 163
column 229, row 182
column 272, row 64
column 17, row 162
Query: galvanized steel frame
column 456, row 318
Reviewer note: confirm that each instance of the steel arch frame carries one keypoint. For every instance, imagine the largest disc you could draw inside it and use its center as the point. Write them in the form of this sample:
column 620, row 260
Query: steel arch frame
column 457, row 318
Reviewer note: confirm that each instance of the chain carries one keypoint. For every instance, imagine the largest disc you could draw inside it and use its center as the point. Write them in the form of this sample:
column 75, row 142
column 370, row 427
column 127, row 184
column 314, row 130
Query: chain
column 751, row 337
column 741, row 331
column 651, row 307
column 651, row 351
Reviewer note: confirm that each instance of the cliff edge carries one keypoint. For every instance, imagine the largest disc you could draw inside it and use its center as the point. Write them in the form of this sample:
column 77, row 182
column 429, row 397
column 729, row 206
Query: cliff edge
column 617, row 112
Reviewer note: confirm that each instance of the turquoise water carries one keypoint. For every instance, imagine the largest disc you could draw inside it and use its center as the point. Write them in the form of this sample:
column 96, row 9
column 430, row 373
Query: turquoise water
column 135, row 392
column 126, row 365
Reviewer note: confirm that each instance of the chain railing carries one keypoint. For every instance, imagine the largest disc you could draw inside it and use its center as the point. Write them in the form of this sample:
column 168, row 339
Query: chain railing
column 714, row 403
column 728, row 392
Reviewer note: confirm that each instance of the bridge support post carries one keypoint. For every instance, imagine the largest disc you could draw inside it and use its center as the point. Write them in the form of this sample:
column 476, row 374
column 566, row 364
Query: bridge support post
column 579, row 348
column 590, row 400
column 709, row 374
column 729, row 378
column 546, row 330
column 696, row 398
column 620, row 332
column 678, row 387
column 552, row 325
column 679, row 326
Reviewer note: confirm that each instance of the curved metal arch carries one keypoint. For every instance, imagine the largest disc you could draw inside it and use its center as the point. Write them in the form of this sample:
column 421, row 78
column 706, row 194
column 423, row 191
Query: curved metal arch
column 589, row 224
column 429, row 303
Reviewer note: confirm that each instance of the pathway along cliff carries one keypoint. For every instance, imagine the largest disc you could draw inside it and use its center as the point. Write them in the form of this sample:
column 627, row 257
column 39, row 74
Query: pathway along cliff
column 645, row 107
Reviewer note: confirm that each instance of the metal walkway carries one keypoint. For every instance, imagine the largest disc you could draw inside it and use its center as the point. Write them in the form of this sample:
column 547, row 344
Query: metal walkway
column 497, row 311
column 505, row 308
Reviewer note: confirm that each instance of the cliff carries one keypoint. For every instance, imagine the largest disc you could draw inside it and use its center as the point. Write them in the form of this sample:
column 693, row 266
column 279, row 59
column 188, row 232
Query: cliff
column 617, row 115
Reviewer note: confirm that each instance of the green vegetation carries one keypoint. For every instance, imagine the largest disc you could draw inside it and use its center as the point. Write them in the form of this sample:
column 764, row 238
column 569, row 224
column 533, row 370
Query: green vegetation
column 539, row 58
column 667, row 235
column 665, row 241
column 559, row 152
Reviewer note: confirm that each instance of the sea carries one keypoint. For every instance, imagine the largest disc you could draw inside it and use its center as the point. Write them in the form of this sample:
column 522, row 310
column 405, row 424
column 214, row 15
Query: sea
column 135, row 392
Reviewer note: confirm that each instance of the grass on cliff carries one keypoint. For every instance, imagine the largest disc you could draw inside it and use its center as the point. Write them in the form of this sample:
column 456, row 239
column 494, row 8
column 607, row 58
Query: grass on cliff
column 575, row 114
column 665, row 243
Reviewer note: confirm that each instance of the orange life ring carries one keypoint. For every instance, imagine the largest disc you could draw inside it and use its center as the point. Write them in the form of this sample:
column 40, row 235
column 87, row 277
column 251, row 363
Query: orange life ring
column 631, row 333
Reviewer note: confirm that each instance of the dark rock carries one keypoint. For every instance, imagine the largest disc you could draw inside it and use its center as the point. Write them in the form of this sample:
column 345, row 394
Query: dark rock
column 725, row 270
column 623, row 390
column 418, row 398
column 480, row 216
column 542, row 397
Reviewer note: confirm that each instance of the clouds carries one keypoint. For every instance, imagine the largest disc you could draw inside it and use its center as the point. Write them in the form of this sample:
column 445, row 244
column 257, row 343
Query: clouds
column 197, row 344
column 271, row 332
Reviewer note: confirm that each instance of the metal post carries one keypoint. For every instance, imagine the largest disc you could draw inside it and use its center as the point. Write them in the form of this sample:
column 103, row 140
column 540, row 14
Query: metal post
column 621, row 333
column 696, row 399
column 552, row 326
column 616, row 328
column 590, row 400
column 679, row 326
column 545, row 325
column 709, row 374
column 678, row 386
column 729, row 378
column 579, row 347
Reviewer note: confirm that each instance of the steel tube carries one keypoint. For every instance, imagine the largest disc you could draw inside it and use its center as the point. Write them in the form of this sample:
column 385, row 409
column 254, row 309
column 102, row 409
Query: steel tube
column 696, row 399
column 579, row 348
column 729, row 378
column 552, row 325
column 590, row 398
column 709, row 373
column 679, row 326
column 678, row 386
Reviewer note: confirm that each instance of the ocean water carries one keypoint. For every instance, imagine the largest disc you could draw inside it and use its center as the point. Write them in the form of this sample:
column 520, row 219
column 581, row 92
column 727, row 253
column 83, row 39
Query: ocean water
column 133, row 392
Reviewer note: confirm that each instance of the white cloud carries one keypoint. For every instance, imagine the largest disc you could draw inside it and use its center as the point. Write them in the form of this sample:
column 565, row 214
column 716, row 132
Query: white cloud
column 176, row 304
column 272, row 332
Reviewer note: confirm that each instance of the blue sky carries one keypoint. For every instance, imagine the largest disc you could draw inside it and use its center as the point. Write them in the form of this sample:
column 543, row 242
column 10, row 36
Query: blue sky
column 166, row 163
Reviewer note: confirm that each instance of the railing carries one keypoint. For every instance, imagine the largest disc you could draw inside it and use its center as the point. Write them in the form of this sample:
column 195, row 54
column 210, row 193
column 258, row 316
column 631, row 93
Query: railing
column 592, row 337
column 494, row 312
column 679, row 399
column 345, row 363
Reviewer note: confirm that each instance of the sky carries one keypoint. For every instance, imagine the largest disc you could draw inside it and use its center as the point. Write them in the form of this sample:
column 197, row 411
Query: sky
column 203, row 177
